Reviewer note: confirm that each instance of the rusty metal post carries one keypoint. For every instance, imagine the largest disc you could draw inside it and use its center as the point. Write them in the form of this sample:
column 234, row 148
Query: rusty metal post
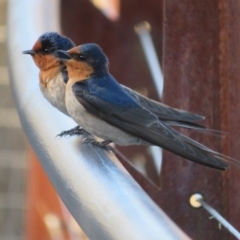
column 201, row 64
column 233, row 109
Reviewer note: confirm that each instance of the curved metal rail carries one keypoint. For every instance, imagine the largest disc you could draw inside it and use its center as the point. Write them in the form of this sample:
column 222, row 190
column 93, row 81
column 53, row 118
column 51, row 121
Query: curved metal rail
column 103, row 198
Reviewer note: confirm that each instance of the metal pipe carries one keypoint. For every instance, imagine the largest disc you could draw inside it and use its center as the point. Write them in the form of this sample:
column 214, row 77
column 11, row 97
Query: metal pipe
column 196, row 201
column 143, row 31
column 103, row 198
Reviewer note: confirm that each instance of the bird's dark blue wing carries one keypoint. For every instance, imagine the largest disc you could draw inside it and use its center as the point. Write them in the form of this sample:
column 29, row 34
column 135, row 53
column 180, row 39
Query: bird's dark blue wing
column 107, row 97
column 171, row 116
column 163, row 111
column 107, row 100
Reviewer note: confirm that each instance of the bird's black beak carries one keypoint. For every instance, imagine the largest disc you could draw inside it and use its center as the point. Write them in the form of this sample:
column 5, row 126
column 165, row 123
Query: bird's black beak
column 62, row 55
column 31, row 52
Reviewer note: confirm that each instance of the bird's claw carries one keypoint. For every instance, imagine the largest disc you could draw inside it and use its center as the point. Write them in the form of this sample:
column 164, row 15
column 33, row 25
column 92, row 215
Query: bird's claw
column 104, row 144
column 74, row 131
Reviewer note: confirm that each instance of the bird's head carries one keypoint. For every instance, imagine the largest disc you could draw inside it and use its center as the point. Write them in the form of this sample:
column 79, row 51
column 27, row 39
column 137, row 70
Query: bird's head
column 43, row 51
column 84, row 61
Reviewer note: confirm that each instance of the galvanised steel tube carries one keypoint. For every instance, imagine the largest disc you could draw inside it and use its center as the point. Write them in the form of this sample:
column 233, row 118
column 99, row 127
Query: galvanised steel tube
column 103, row 198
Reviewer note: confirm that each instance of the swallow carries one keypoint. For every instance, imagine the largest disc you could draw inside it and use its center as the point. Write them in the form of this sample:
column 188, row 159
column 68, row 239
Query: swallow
column 53, row 73
column 104, row 108
column 53, row 76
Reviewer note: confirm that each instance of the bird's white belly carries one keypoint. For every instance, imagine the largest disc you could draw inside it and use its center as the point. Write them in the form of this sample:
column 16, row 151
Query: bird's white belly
column 97, row 126
column 54, row 92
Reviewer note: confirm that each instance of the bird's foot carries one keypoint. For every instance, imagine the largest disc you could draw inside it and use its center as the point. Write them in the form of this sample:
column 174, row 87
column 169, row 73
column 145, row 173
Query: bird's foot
column 104, row 144
column 74, row 131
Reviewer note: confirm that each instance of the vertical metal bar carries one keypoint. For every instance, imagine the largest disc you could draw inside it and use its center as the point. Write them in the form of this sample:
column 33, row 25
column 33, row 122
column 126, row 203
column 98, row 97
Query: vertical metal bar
column 200, row 60
column 232, row 107
column 143, row 31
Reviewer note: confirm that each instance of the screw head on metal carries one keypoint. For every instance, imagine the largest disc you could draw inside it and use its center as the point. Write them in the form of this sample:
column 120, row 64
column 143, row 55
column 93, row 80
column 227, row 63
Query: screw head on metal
column 141, row 27
column 194, row 200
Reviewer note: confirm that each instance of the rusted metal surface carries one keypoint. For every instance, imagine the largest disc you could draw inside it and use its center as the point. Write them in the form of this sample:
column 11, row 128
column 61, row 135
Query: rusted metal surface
column 234, row 107
column 201, row 68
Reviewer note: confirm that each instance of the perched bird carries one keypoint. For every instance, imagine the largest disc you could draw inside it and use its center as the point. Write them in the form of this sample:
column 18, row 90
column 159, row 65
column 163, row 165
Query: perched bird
column 106, row 109
column 53, row 73
column 53, row 76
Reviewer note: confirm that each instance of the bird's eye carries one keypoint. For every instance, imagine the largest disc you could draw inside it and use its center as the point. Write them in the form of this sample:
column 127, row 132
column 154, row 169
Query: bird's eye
column 82, row 57
column 46, row 50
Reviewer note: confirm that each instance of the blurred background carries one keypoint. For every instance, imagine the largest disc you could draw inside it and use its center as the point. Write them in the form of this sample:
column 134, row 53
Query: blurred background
column 197, row 47
column 13, row 151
